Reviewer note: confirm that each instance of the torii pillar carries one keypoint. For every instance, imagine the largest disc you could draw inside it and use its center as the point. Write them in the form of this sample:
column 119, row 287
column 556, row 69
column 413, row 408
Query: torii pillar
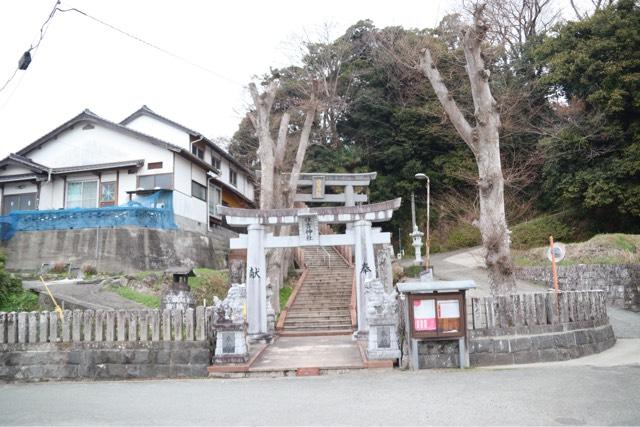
column 256, row 282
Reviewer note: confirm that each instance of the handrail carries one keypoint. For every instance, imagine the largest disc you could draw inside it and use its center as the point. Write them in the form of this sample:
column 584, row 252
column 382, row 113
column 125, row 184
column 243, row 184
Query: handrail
column 352, row 304
column 327, row 257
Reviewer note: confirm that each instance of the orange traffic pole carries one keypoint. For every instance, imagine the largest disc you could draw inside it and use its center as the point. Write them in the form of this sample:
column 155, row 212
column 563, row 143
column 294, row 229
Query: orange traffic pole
column 553, row 265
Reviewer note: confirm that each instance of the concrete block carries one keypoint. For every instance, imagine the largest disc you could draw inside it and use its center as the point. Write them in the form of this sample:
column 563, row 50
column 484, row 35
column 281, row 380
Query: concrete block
column 503, row 359
column 542, row 342
column 548, row 355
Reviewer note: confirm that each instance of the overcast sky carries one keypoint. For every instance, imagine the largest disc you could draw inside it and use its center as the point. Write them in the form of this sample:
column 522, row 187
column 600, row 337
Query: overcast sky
column 83, row 64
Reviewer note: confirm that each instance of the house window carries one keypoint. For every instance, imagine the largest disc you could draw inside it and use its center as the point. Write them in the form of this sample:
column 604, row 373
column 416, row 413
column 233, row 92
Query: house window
column 107, row 194
column 154, row 165
column 215, row 199
column 198, row 190
column 156, row 182
column 215, row 162
column 233, row 177
column 82, row 194
column 197, row 151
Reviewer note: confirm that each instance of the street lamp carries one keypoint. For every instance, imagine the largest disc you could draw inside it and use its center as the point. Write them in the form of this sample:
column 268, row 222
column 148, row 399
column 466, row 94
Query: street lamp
column 422, row 177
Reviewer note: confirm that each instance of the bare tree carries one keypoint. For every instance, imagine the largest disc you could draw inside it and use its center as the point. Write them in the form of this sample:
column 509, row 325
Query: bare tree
column 596, row 6
column 275, row 190
column 484, row 141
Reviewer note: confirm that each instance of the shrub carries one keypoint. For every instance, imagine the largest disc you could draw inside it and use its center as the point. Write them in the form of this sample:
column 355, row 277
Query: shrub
column 59, row 268
column 535, row 233
column 89, row 270
column 12, row 296
column 463, row 235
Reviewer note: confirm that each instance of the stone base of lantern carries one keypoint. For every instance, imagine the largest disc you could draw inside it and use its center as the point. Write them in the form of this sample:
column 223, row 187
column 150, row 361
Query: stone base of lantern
column 231, row 344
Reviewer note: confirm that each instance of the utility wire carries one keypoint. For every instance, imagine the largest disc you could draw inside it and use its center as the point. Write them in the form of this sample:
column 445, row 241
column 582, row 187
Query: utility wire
column 165, row 51
column 43, row 31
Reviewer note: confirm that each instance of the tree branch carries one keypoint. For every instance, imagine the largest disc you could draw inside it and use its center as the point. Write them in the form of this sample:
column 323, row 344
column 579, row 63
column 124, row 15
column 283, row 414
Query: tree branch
column 448, row 103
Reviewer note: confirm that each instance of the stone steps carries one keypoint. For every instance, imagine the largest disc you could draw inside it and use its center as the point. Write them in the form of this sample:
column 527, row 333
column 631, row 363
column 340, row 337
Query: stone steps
column 321, row 306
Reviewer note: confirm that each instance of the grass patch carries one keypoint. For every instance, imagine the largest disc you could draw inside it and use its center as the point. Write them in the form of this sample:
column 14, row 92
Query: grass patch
column 141, row 275
column 151, row 301
column 285, row 293
column 208, row 284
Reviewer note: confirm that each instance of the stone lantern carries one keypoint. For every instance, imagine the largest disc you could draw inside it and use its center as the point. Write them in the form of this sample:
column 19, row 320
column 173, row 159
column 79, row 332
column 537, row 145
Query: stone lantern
column 178, row 295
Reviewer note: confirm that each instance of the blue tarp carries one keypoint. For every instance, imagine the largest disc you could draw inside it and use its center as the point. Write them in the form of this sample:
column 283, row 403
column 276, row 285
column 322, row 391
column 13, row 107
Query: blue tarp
column 152, row 211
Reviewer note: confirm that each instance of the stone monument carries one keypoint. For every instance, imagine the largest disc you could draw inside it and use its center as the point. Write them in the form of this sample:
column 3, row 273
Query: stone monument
column 229, row 325
column 382, row 315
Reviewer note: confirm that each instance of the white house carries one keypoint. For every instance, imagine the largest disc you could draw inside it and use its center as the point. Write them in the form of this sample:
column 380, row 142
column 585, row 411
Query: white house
column 91, row 162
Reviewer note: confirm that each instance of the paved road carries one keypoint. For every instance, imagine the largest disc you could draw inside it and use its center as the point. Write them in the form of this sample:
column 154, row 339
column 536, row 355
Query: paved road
column 543, row 396
column 87, row 295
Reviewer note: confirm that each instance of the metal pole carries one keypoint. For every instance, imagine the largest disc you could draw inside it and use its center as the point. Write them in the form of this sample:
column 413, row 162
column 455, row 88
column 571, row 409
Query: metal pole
column 400, row 240
column 428, row 242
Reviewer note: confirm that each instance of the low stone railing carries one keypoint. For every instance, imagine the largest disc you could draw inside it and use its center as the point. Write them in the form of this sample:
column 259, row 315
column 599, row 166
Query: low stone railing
column 538, row 327
column 103, row 326
column 100, row 344
column 524, row 312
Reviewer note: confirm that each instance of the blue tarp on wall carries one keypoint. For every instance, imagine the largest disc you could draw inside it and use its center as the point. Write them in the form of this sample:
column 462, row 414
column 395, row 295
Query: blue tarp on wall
column 151, row 211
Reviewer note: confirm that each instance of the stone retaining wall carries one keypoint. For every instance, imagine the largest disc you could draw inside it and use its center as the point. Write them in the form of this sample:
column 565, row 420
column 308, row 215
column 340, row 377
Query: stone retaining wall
column 88, row 344
column 103, row 360
column 621, row 282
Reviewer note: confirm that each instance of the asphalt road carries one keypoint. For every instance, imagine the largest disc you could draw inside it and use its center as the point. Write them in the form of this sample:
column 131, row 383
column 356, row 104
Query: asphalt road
column 544, row 396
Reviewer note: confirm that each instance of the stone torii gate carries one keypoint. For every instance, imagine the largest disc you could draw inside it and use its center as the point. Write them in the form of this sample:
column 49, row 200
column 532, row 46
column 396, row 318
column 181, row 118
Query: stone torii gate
column 362, row 236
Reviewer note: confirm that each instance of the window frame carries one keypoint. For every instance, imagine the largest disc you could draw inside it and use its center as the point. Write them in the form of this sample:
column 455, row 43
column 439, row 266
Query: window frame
column 155, row 187
column 216, row 162
column 199, row 186
column 215, row 213
column 83, row 182
column 437, row 334
column 233, row 177
column 104, row 203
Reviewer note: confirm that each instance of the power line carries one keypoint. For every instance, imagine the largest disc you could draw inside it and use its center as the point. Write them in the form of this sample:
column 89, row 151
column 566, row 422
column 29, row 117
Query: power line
column 27, row 55
column 154, row 46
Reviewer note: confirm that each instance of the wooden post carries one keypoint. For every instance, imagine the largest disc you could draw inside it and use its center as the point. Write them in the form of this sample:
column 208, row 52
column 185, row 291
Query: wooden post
column 553, row 265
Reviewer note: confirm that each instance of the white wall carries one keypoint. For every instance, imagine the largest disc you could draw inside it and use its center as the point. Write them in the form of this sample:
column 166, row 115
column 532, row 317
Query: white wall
column 190, row 207
column 156, row 128
column 14, row 170
column 19, row 188
column 77, row 147
column 127, row 182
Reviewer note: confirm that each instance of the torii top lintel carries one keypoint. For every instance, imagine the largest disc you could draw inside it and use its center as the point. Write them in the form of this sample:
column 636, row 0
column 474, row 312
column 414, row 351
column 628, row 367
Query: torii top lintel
column 374, row 212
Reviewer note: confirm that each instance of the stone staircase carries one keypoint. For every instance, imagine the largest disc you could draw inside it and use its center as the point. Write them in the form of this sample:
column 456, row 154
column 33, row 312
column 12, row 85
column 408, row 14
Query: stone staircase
column 321, row 306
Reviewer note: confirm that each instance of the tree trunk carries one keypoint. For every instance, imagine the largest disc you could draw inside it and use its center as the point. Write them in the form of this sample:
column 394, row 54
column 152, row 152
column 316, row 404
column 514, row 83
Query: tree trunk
column 484, row 141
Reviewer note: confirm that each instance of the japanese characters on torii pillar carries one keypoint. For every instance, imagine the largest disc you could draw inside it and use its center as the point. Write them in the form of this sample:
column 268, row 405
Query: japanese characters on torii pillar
column 363, row 236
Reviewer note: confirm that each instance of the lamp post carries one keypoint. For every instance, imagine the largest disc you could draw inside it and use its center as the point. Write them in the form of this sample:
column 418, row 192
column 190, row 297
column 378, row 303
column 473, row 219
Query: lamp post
column 421, row 176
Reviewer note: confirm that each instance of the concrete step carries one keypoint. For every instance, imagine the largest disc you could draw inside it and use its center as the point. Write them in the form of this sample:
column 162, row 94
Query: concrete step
column 337, row 315
column 317, row 326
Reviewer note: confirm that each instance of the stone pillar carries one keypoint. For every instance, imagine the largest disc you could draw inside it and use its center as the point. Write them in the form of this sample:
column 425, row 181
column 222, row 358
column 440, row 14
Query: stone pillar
column 365, row 269
column 382, row 314
column 256, row 283
column 348, row 194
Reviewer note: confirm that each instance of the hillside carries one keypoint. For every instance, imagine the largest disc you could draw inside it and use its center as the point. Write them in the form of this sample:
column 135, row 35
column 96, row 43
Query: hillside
column 601, row 249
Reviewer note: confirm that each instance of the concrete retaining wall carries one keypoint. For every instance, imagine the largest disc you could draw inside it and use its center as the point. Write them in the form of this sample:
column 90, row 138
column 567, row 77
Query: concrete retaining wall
column 621, row 282
column 118, row 250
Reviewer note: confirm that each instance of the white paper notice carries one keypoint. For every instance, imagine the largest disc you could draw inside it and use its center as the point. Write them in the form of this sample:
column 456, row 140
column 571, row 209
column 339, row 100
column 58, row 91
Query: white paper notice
column 449, row 309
